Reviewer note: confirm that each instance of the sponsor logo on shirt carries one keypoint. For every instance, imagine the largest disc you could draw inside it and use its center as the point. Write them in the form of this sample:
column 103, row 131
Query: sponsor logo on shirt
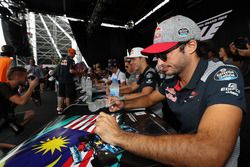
column 149, row 75
column 232, row 88
column 171, row 94
column 149, row 81
column 225, row 74
column 193, row 94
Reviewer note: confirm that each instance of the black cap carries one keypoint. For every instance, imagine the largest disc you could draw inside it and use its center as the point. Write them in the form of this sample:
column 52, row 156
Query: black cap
column 7, row 50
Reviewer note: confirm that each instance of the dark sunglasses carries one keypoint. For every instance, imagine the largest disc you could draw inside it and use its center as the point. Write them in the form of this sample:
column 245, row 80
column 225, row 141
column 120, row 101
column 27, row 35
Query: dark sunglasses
column 163, row 55
column 127, row 60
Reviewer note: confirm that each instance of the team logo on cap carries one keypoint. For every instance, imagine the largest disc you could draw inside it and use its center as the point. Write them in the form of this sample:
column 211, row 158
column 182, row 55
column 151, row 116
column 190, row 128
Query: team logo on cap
column 157, row 33
column 183, row 32
column 132, row 51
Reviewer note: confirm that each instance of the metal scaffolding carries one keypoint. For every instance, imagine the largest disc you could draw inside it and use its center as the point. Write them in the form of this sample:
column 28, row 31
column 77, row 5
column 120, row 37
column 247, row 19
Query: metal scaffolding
column 50, row 37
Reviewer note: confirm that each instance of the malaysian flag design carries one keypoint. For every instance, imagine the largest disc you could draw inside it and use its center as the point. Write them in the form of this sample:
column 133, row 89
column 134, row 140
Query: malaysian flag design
column 54, row 148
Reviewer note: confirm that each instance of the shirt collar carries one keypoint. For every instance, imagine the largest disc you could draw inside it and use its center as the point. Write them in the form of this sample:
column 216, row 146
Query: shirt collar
column 199, row 71
column 145, row 70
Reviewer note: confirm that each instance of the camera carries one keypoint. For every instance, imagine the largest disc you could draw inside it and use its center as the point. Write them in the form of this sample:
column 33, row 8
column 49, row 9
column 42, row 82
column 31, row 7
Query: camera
column 241, row 43
column 31, row 76
column 36, row 97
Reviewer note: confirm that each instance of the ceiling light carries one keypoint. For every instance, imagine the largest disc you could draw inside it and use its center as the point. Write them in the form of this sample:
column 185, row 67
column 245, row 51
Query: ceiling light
column 152, row 11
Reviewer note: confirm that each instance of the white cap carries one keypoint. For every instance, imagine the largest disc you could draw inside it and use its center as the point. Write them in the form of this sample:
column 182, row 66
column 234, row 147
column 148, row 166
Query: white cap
column 136, row 52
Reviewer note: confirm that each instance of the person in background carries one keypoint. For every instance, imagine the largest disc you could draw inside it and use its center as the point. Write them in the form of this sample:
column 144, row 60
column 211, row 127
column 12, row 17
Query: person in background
column 206, row 97
column 35, row 71
column 117, row 73
column 240, row 48
column 225, row 55
column 6, row 61
column 66, row 73
column 147, row 80
column 131, row 74
column 10, row 98
column 46, row 77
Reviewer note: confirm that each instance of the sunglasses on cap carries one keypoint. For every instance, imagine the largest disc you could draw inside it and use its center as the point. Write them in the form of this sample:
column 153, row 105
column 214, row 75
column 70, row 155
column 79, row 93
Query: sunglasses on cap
column 163, row 55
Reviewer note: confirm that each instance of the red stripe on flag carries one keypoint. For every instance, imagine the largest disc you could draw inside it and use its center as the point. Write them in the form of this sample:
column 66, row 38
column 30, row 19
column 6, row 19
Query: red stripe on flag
column 93, row 131
column 91, row 119
column 76, row 123
column 68, row 162
column 86, row 159
column 91, row 124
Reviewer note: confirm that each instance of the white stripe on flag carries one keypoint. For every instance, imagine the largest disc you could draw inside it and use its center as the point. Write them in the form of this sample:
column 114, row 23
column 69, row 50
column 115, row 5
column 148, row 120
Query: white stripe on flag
column 75, row 121
column 91, row 128
column 89, row 163
column 83, row 122
column 87, row 124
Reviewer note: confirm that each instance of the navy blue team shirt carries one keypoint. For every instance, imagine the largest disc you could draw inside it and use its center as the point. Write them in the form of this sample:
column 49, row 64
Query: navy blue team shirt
column 147, row 79
column 212, row 83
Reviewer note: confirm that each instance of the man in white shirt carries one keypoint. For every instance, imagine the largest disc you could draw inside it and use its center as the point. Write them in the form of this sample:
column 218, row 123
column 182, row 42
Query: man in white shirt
column 117, row 73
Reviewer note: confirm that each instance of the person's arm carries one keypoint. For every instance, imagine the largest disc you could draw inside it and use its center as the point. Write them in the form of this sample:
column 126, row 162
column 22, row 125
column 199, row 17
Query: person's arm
column 6, row 145
column 20, row 100
column 210, row 146
column 245, row 52
column 128, row 88
column 144, row 101
column 72, row 69
column 122, row 78
column 123, row 83
column 145, row 91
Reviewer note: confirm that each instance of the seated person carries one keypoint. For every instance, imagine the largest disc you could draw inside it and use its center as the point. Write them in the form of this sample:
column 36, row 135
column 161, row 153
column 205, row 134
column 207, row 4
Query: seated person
column 207, row 101
column 10, row 97
column 116, row 73
column 131, row 75
column 147, row 79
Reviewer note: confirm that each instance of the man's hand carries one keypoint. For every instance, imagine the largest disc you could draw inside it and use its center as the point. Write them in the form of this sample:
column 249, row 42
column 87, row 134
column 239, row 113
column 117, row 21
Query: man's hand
column 33, row 83
column 244, row 52
column 118, row 105
column 107, row 128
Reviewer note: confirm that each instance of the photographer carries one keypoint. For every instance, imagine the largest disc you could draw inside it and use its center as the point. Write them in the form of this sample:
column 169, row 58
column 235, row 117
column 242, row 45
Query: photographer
column 241, row 46
column 240, row 49
column 10, row 97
